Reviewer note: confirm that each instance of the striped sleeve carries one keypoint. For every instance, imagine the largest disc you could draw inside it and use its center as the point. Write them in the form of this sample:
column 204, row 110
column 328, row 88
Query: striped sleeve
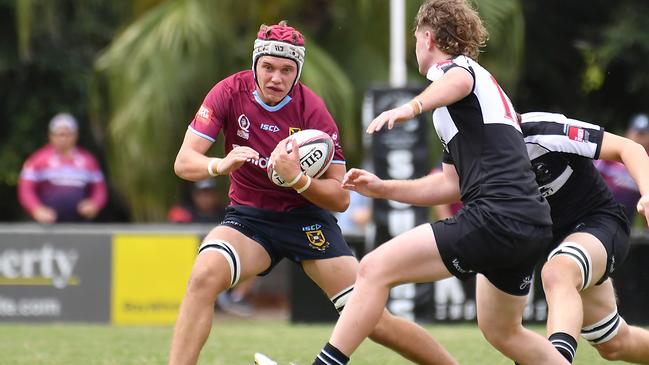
column 547, row 132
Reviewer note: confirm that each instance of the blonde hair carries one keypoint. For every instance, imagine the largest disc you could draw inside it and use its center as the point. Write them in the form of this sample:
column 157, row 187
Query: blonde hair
column 456, row 26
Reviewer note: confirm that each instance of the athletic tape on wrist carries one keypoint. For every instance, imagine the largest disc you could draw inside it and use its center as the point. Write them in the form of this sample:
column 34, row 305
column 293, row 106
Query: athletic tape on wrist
column 306, row 186
column 297, row 178
column 209, row 167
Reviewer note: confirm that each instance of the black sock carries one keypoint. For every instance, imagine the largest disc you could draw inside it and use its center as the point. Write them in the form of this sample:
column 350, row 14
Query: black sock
column 330, row 355
column 565, row 344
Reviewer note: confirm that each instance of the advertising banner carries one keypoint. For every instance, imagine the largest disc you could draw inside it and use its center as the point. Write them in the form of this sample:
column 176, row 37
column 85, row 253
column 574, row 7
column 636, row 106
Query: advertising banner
column 400, row 153
column 54, row 277
column 150, row 274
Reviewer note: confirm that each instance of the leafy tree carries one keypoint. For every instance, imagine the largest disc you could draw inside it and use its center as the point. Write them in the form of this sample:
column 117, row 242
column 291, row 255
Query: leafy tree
column 47, row 50
column 586, row 59
column 147, row 83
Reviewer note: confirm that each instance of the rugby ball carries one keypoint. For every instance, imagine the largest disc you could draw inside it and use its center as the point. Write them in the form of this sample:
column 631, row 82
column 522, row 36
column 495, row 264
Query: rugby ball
column 316, row 150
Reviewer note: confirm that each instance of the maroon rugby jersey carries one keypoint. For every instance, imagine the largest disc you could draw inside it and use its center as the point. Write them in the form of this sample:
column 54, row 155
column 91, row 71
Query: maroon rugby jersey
column 233, row 106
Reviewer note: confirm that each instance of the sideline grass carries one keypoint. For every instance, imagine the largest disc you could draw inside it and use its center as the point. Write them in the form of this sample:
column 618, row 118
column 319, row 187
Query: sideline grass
column 232, row 343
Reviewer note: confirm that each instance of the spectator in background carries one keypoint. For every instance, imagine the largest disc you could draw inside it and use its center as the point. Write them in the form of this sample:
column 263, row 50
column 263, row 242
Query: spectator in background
column 62, row 182
column 205, row 205
column 617, row 176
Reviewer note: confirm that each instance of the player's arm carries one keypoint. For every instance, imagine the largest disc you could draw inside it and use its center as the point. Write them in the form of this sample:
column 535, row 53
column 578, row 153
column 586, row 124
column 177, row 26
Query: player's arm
column 192, row 163
column 433, row 189
column 453, row 86
column 636, row 160
column 326, row 191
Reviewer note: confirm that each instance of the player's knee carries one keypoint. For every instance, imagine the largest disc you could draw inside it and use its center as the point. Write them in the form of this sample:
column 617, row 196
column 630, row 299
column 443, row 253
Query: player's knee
column 608, row 336
column 554, row 275
column 208, row 278
column 369, row 268
column 611, row 350
column 499, row 332
column 569, row 264
column 211, row 277
column 229, row 253
column 495, row 338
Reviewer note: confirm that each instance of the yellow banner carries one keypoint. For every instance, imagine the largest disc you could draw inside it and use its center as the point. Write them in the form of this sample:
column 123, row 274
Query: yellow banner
column 150, row 273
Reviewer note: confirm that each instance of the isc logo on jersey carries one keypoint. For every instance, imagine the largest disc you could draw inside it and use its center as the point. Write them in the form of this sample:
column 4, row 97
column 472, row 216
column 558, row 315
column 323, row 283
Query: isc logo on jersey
column 269, row 127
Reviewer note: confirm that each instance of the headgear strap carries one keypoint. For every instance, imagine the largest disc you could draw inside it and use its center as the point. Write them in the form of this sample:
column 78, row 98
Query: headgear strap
column 279, row 40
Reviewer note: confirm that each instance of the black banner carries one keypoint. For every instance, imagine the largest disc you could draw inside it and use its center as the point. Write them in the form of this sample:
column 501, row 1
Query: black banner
column 400, row 153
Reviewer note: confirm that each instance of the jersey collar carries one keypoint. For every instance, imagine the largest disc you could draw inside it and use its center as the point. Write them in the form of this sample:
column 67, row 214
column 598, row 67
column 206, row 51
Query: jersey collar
column 273, row 108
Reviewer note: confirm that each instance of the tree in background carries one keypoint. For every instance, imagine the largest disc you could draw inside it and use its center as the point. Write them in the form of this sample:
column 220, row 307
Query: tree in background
column 47, row 49
column 586, row 58
column 157, row 69
column 160, row 57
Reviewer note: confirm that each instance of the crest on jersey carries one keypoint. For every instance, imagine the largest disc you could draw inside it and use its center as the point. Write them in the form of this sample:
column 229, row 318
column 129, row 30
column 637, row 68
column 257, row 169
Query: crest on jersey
column 292, row 130
column 244, row 126
column 317, row 240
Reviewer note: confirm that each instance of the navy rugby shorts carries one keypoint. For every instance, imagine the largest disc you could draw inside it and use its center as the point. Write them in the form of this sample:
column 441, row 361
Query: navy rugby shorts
column 309, row 233
column 502, row 249
column 611, row 229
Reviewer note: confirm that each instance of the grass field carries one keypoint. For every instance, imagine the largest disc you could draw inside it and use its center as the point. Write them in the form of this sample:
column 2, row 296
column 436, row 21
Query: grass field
column 67, row 344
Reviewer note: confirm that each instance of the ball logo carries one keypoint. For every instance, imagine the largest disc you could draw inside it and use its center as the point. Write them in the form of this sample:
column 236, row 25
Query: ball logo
column 311, row 158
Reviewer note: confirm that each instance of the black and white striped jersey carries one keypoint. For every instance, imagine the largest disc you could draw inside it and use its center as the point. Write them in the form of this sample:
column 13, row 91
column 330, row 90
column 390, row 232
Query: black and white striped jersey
column 482, row 138
column 561, row 150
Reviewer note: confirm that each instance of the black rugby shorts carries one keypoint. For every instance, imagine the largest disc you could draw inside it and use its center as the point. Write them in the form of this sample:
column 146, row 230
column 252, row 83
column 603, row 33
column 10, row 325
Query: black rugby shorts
column 309, row 233
column 502, row 249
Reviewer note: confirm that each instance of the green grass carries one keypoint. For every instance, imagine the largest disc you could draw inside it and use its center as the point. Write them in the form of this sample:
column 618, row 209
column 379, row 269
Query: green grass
column 232, row 342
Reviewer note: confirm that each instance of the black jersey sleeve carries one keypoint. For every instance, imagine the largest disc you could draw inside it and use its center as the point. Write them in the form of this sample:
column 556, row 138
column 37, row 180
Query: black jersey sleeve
column 560, row 134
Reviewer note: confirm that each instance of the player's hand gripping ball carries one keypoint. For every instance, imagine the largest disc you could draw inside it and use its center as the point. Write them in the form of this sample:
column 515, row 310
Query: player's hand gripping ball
column 316, row 150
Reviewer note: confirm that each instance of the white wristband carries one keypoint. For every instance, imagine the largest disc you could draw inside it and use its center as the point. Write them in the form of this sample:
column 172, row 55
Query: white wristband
column 210, row 170
column 297, row 178
column 420, row 105
column 306, row 186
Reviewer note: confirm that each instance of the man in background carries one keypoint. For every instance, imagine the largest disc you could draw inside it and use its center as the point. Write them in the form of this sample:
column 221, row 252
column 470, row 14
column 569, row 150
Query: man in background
column 62, row 182
column 617, row 177
column 205, row 205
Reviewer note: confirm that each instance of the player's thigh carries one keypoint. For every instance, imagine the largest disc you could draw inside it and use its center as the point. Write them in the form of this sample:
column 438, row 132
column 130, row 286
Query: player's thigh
column 598, row 302
column 411, row 256
column 253, row 258
column 497, row 310
column 332, row 275
column 595, row 250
